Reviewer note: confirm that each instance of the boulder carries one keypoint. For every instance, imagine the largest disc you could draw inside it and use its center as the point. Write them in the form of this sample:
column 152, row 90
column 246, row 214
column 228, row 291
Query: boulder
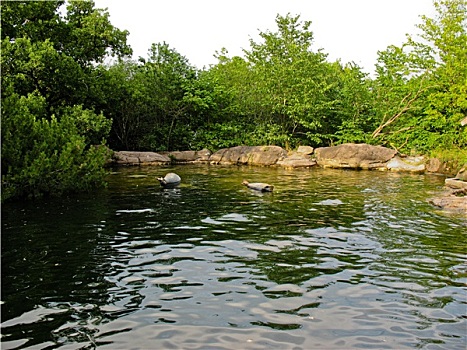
column 453, row 200
column 407, row 164
column 139, row 158
column 455, row 183
column 437, row 166
column 462, row 174
column 434, row 165
column 354, row 156
column 305, row 150
column 296, row 160
column 459, row 182
column 189, row 156
column 252, row 155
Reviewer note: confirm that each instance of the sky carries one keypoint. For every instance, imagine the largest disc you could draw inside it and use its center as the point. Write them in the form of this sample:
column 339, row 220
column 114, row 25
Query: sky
column 349, row 30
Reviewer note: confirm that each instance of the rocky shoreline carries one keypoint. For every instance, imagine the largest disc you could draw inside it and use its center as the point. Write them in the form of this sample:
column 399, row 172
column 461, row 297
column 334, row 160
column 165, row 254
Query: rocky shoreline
column 345, row 156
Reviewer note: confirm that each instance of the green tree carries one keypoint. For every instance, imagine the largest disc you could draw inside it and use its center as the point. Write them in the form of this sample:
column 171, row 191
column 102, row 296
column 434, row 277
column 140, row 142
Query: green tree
column 353, row 104
column 292, row 80
column 121, row 100
column 49, row 66
column 49, row 155
column 420, row 87
column 170, row 98
column 231, row 117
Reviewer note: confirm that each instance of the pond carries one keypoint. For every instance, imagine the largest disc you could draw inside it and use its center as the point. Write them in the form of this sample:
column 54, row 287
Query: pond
column 331, row 259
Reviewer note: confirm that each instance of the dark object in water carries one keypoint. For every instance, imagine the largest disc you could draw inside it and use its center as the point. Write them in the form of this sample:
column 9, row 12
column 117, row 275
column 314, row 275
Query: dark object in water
column 170, row 180
column 258, row 186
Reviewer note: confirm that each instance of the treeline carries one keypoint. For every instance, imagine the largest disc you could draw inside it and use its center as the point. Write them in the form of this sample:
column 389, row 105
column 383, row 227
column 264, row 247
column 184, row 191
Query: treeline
column 62, row 103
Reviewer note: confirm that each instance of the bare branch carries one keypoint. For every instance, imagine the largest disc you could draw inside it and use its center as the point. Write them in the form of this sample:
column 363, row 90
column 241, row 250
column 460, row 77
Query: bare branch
column 408, row 106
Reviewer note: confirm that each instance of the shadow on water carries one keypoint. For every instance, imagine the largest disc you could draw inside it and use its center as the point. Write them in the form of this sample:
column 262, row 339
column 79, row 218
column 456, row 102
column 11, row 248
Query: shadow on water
column 330, row 259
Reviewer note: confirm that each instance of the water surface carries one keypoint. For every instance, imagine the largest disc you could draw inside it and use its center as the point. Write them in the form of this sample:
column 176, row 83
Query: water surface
column 331, row 259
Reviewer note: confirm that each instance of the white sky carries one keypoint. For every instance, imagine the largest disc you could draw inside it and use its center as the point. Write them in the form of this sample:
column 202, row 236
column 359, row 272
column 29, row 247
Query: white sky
column 349, row 30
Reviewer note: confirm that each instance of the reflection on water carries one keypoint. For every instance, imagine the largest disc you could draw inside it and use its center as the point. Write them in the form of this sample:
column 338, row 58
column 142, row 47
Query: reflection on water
column 330, row 259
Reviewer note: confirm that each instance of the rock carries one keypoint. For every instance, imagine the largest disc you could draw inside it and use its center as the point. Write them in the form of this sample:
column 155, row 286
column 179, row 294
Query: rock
column 454, row 200
column 139, row 158
column 434, row 166
column 305, row 150
column 170, row 180
column 355, row 156
column 189, row 156
column 407, row 164
column 258, row 186
column 462, row 174
column 297, row 160
column 459, row 182
column 437, row 166
column 455, row 183
column 252, row 155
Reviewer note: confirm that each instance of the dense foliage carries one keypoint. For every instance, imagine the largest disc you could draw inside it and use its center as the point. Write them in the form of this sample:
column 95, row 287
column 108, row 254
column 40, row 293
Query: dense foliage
column 50, row 76
column 61, row 97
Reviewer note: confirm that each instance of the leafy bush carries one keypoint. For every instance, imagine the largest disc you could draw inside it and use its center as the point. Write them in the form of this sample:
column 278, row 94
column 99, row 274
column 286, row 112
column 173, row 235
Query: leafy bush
column 56, row 156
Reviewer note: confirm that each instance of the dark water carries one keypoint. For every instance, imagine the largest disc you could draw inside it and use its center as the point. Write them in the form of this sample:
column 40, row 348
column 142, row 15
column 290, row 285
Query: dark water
column 330, row 260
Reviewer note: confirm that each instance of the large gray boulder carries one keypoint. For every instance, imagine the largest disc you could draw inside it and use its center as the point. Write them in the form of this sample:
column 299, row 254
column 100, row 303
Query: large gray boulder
column 251, row 155
column 354, row 156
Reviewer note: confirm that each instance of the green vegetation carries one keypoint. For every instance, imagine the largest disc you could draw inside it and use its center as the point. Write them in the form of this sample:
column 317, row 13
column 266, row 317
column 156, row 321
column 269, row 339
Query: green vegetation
column 62, row 104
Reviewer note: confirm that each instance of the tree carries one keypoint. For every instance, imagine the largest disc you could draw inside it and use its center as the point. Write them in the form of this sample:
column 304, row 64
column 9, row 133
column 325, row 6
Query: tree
column 292, row 80
column 353, row 104
column 234, row 110
column 419, row 91
column 49, row 64
column 49, row 155
column 163, row 81
column 41, row 51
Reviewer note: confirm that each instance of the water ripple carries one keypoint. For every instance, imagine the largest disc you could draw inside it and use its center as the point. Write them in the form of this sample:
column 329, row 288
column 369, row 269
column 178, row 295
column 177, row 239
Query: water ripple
column 329, row 260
